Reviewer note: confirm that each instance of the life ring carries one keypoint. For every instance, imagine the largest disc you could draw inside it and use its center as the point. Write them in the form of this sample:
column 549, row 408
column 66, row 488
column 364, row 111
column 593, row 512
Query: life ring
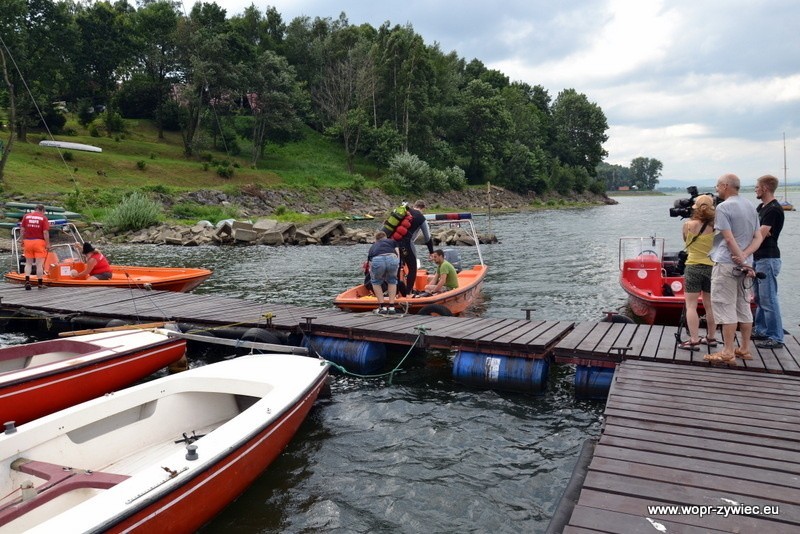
column 435, row 310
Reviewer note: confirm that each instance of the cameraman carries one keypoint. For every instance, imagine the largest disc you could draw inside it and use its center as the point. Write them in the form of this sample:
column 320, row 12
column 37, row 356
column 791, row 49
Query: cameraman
column 737, row 238
column 698, row 236
column 768, row 328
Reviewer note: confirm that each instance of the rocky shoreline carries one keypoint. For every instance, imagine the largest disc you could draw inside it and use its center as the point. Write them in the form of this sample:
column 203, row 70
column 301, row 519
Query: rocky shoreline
column 255, row 205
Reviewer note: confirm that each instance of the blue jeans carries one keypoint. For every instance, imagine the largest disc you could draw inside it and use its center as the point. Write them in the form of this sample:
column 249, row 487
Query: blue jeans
column 767, row 321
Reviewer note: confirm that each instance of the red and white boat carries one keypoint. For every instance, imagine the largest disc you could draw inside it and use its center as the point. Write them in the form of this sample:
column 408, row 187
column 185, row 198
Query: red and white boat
column 648, row 275
column 40, row 378
column 163, row 456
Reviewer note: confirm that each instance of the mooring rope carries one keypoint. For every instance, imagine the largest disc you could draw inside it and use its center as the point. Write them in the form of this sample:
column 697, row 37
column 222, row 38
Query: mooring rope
column 421, row 329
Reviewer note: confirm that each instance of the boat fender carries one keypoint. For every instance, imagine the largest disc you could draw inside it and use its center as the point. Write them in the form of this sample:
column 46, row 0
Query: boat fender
column 402, row 230
column 435, row 309
column 261, row 335
column 116, row 322
column 616, row 318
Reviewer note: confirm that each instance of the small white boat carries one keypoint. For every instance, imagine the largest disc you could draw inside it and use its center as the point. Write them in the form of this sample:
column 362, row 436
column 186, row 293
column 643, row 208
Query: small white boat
column 70, row 146
column 164, row 456
column 37, row 379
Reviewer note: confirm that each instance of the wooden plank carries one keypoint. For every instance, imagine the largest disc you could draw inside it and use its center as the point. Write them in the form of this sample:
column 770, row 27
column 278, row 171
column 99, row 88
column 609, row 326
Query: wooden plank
column 613, row 521
column 658, row 427
column 574, row 339
column 674, row 419
column 609, row 457
column 680, row 447
column 633, row 504
column 543, row 336
column 622, row 475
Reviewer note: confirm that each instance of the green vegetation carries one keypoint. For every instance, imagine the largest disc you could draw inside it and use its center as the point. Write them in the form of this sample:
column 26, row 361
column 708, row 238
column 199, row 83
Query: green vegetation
column 136, row 211
column 195, row 99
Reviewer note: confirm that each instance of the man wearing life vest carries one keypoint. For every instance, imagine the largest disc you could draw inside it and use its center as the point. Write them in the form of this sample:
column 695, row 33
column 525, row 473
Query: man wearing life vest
column 35, row 235
column 404, row 225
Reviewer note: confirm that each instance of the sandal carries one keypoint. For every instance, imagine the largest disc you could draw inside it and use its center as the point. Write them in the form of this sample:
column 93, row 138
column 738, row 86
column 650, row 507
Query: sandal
column 742, row 355
column 721, row 358
column 688, row 345
column 710, row 341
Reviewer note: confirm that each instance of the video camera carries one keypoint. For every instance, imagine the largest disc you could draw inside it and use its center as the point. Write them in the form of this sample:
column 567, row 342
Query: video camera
column 683, row 206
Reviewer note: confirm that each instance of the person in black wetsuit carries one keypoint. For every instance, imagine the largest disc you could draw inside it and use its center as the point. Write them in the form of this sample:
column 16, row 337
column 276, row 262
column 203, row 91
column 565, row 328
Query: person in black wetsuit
column 408, row 254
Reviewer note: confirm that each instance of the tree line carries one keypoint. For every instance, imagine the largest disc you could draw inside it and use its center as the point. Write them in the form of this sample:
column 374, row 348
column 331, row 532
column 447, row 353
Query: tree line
column 242, row 82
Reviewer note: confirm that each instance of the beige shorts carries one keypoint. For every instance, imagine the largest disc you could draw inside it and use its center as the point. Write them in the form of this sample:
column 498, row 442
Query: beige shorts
column 729, row 296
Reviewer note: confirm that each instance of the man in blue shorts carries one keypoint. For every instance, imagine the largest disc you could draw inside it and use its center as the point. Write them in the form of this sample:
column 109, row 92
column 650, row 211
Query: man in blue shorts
column 384, row 262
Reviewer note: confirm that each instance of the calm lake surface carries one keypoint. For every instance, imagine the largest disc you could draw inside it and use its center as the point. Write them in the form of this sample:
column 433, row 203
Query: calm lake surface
column 425, row 454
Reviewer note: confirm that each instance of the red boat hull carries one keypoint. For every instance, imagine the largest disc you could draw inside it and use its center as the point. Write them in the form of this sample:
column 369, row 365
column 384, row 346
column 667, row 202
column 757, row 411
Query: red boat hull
column 25, row 401
column 653, row 297
column 195, row 503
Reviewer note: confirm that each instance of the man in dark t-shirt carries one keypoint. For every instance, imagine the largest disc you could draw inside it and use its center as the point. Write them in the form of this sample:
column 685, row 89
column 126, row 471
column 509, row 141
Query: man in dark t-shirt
column 767, row 324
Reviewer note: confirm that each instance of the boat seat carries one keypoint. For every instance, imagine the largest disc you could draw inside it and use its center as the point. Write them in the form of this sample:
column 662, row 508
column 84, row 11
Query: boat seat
column 59, row 479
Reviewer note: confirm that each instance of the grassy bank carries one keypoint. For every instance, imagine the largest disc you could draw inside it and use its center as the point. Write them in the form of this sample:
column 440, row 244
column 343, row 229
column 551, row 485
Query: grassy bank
column 137, row 158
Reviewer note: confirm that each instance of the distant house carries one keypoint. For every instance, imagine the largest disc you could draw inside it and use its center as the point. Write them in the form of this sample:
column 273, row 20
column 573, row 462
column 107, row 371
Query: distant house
column 623, row 188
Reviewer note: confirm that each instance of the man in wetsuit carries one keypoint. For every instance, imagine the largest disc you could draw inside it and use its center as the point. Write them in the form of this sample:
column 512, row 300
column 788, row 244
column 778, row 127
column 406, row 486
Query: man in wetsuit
column 408, row 254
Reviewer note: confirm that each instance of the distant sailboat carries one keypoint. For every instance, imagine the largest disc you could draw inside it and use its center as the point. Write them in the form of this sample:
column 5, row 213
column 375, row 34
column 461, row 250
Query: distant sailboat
column 785, row 204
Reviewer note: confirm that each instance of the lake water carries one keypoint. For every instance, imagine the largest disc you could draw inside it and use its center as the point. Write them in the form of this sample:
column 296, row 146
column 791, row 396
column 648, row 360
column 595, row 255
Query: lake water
column 425, row 454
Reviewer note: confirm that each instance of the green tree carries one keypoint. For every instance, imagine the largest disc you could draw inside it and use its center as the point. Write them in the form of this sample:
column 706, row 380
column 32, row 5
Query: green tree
column 156, row 40
column 484, row 130
column 645, row 172
column 579, row 128
column 274, row 98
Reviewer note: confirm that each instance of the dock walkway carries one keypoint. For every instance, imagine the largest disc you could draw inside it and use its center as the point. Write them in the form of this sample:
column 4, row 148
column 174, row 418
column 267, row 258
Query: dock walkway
column 590, row 343
column 712, row 440
column 512, row 337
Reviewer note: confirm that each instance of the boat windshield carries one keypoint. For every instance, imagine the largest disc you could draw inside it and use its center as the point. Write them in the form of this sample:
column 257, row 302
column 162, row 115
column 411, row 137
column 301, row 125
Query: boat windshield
column 638, row 247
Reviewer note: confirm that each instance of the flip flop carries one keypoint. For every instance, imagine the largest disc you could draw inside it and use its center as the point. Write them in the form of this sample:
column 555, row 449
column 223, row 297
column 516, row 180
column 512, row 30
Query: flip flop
column 711, row 342
column 742, row 355
column 688, row 345
column 720, row 358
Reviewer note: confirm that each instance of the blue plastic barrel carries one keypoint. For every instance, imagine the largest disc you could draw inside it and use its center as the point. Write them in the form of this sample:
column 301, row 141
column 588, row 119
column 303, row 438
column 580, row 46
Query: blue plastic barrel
column 501, row 372
column 593, row 383
column 362, row 357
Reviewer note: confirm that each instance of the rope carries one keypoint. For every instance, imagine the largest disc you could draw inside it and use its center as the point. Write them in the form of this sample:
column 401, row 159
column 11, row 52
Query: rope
column 421, row 329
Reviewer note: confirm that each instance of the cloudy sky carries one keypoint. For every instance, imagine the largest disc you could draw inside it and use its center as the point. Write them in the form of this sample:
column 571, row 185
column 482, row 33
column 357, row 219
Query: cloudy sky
column 705, row 86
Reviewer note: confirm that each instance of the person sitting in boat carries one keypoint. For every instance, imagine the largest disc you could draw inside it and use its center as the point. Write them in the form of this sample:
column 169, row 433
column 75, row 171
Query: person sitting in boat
column 698, row 235
column 446, row 276
column 384, row 261
column 97, row 266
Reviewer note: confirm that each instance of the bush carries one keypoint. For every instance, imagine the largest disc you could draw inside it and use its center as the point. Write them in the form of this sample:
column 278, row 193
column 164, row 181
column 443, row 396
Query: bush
column 456, row 178
column 141, row 165
column 409, row 172
column 113, row 122
column 135, row 212
column 225, row 171
column 68, row 156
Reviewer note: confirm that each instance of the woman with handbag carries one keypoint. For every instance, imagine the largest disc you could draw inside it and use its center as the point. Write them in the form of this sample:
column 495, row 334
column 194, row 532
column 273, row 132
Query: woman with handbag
column 698, row 234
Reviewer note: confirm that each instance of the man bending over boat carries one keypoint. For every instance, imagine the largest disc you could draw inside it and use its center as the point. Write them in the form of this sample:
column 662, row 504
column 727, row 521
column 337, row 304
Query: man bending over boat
column 97, row 266
column 384, row 262
column 35, row 235
column 446, row 275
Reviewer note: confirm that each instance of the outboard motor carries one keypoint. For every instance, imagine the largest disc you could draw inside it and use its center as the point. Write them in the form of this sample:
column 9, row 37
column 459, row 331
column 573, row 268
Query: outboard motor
column 452, row 255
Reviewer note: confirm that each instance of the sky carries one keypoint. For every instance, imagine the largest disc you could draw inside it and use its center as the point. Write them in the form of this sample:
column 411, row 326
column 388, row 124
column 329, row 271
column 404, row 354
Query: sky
column 704, row 86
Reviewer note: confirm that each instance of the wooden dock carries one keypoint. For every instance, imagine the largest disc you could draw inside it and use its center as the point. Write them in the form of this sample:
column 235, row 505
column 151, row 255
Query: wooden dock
column 606, row 344
column 512, row 337
column 712, row 440
column 591, row 343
